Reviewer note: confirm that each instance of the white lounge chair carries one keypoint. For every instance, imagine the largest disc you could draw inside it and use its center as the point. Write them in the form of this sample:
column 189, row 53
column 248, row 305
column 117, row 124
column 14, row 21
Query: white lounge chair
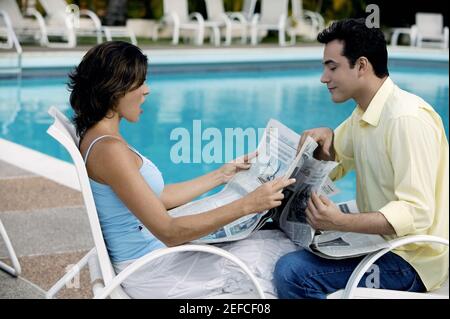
column 7, row 32
column 352, row 292
column 15, row 270
column 35, row 28
column 176, row 15
column 230, row 21
column 83, row 22
column 431, row 30
column 410, row 32
column 304, row 22
column 248, row 9
column 273, row 16
column 105, row 282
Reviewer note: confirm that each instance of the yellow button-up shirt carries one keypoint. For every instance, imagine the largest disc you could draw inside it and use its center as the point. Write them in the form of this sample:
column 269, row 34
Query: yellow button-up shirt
column 399, row 150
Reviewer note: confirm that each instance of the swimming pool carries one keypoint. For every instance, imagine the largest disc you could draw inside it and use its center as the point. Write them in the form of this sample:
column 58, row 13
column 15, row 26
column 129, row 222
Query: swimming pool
column 219, row 100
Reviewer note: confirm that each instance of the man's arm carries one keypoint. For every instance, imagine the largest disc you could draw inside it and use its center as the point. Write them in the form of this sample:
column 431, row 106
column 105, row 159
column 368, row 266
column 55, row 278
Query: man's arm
column 323, row 214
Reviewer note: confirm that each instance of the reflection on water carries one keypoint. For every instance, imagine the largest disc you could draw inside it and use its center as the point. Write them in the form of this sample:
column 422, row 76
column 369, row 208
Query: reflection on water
column 245, row 100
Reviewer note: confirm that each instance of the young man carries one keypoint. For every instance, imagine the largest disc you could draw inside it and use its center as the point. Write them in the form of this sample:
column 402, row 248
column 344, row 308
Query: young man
column 397, row 144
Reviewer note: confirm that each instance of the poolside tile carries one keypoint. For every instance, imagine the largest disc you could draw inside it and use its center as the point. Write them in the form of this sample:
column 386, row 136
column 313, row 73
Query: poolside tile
column 47, row 231
column 17, row 288
column 8, row 171
column 45, row 270
column 35, row 193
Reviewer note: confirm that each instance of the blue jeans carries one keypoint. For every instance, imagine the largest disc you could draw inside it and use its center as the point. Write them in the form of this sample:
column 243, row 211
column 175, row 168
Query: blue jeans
column 301, row 274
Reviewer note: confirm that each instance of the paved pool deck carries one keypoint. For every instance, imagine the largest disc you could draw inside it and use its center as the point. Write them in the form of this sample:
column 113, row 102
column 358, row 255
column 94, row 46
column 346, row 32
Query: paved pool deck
column 48, row 228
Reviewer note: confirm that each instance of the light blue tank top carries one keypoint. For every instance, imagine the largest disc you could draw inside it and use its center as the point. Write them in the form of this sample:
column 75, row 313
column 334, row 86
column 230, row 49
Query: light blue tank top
column 125, row 236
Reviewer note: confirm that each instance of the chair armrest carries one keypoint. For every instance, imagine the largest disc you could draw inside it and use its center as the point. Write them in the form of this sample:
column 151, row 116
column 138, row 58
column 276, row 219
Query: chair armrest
column 365, row 264
column 313, row 18
column 31, row 12
column 91, row 15
column 197, row 16
column 136, row 265
column 170, row 18
column 237, row 16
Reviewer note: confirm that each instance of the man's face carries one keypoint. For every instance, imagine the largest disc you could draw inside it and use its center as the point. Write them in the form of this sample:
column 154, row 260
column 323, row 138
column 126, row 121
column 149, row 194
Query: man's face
column 341, row 80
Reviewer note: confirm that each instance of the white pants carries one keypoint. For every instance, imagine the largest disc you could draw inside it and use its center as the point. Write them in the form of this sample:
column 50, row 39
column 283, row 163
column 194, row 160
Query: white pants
column 201, row 275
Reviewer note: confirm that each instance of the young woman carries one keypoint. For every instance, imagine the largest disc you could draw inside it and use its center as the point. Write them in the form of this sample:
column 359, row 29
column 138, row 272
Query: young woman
column 129, row 191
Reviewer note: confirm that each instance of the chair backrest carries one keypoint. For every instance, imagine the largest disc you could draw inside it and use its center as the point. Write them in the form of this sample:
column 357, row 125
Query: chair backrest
column 54, row 6
column 429, row 25
column 214, row 9
column 297, row 9
column 248, row 9
column 272, row 10
column 64, row 132
column 179, row 7
column 12, row 9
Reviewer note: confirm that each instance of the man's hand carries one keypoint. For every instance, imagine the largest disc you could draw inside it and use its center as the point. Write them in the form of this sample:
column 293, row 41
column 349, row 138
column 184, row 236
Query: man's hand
column 324, row 136
column 323, row 214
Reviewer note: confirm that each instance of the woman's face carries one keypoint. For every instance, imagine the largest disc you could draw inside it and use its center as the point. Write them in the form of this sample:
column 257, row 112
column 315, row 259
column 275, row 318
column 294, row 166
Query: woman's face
column 129, row 106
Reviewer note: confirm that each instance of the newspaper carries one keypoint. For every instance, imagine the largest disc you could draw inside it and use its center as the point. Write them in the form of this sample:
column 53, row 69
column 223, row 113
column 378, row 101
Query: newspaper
column 277, row 157
column 336, row 244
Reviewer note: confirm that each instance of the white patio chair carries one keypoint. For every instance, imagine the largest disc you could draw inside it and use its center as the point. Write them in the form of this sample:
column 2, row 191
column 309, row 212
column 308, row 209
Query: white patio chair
column 15, row 270
column 273, row 17
column 176, row 15
column 230, row 21
column 431, row 30
column 351, row 290
column 35, row 28
column 305, row 22
column 83, row 22
column 11, row 41
column 248, row 9
column 105, row 282
column 410, row 32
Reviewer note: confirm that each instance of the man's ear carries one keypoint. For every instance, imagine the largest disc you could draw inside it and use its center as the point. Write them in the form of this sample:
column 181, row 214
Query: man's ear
column 363, row 65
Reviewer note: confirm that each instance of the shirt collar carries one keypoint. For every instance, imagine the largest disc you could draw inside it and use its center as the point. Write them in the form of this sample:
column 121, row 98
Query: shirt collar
column 373, row 111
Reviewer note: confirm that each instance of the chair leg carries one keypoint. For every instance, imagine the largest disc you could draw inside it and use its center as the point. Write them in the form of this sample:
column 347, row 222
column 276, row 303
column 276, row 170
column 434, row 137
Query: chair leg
column 200, row 36
column 175, row 35
column 99, row 36
column 75, row 270
column 244, row 35
column 216, row 34
column 282, row 37
column 16, row 269
column 228, row 35
column 254, row 36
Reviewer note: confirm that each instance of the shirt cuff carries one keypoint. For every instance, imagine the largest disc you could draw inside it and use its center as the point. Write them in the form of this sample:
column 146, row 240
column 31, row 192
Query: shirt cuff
column 398, row 215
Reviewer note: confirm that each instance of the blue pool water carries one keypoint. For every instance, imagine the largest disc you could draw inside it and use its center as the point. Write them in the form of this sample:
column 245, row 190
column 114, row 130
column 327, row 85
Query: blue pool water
column 219, row 100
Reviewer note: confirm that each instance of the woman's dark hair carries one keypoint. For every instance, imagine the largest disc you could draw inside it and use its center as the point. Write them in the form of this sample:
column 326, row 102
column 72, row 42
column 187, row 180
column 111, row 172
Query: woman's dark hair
column 107, row 72
column 359, row 40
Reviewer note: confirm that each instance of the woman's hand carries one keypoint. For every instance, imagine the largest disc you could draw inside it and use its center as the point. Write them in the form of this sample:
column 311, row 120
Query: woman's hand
column 266, row 196
column 228, row 170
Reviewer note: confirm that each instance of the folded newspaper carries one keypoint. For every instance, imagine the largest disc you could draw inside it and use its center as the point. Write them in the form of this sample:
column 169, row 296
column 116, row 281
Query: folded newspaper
column 277, row 157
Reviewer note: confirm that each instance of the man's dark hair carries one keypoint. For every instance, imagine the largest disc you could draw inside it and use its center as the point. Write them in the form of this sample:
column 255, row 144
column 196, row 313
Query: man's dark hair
column 107, row 72
column 359, row 40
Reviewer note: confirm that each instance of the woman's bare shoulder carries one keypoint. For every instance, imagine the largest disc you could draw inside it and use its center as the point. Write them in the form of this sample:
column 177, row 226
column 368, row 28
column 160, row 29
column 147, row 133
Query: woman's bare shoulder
column 110, row 159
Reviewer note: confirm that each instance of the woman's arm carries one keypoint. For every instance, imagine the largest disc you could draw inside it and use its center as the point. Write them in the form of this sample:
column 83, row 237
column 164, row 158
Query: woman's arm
column 178, row 194
column 122, row 174
column 181, row 193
